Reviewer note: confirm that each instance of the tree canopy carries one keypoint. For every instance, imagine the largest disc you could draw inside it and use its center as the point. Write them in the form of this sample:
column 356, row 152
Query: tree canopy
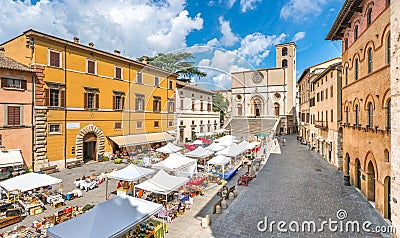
column 220, row 104
column 177, row 63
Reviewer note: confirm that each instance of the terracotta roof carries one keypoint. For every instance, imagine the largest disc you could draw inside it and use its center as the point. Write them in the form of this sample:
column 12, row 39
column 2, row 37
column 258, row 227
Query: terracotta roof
column 8, row 63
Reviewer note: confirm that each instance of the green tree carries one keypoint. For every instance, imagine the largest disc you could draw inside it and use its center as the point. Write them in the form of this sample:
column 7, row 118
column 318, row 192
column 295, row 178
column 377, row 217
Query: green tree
column 179, row 63
column 220, row 104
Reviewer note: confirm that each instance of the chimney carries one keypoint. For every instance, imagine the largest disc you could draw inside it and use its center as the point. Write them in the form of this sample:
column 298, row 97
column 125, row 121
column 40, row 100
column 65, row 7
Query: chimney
column 117, row 52
column 144, row 59
column 91, row 44
column 76, row 40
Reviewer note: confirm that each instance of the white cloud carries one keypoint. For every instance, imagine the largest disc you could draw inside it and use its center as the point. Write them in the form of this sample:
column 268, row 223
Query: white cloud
column 228, row 38
column 230, row 3
column 255, row 47
column 299, row 36
column 302, row 9
column 248, row 4
column 135, row 27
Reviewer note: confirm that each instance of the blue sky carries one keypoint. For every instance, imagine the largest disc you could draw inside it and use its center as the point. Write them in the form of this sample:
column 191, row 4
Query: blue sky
column 228, row 35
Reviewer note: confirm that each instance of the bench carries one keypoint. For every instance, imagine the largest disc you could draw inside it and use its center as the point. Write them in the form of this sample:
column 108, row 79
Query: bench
column 73, row 164
column 216, row 204
column 49, row 169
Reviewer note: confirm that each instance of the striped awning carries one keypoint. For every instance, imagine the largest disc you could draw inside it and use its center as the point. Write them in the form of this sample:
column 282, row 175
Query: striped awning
column 141, row 139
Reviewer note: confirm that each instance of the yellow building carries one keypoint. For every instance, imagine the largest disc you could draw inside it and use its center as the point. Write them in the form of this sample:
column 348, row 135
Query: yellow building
column 89, row 102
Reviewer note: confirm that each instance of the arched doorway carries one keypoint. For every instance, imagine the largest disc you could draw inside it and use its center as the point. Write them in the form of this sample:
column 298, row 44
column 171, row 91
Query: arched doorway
column 358, row 174
column 346, row 165
column 387, row 213
column 89, row 147
column 277, row 109
column 371, row 182
column 256, row 106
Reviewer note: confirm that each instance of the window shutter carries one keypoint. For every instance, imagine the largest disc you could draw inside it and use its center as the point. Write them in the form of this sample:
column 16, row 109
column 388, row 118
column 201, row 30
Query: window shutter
column 122, row 103
column 10, row 115
column 137, row 104
column 97, row 100
column 17, row 116
column 62, row 98
column 3, row 83
column 23, row 84
column 57, row 59
column 114, row 103
column 85, row 101
column 47, row 97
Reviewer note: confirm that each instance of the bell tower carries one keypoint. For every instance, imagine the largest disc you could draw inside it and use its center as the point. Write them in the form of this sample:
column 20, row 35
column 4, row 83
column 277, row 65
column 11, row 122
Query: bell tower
column 286, row 59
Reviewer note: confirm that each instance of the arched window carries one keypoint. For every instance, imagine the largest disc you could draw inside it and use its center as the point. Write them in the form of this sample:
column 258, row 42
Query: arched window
column 284, row 51
column 240, row 110
column 386, row 155
column 370, row 61
column 346, row 76
column 284, row 63
column 346, row 44
column 389, row 113
column 370, row 115
column 357, row 116
column 388, row 46
column 277, row 109
column 347, row 115
column 356, row 70
column 369, row 17
column 355, row 33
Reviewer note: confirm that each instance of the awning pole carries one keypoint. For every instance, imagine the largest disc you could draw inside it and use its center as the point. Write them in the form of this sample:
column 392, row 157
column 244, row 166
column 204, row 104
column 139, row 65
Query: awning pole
column 106, row 188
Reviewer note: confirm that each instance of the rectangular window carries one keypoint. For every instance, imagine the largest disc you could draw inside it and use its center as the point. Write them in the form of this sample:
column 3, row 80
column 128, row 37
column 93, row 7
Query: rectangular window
column 331, row 91
column 181, row 106
column 156, row 124
column 118, row 102
column 139, row 102
column 171, row 105
column 209, row 107
column 156, row 104
column 181, row 123
column 91, row 101
column 331, row 115
column 54, row 58
column 322, row 95
column 139, row 124
column 1, row 140
column 156, row 81
column 170, row 124
column 13, row 83
column 192, row 122
column 139, row 77
column 326, row 93
column 54, row 97
column 171, row 84
column 193, row 105
column 118, row 72
column 13, row 115
column 55, row 129
column 201, row 106
column 91, row 66
column 117, row 125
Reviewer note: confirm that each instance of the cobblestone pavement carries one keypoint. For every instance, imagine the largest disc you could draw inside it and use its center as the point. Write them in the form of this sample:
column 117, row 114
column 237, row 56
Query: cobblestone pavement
column 298, row 186
column 69, row 176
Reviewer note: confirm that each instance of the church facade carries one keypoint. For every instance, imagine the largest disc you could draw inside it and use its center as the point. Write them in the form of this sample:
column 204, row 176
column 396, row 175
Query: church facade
column 268, row 93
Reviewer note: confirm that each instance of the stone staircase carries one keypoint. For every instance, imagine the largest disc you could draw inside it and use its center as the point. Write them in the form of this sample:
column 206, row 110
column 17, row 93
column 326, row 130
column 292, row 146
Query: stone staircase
column 245, row 128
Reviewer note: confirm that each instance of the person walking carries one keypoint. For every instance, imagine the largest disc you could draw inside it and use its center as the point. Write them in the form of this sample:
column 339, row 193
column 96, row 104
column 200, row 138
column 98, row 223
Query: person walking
column 309, row 145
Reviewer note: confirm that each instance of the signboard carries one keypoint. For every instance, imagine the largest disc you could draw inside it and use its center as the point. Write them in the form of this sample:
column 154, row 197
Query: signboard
column 73, row 125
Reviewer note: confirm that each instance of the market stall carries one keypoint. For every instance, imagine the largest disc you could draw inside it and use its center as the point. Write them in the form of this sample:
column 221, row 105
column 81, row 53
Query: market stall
column 200, row 153
column 11, row 162
column 221, row 161
column 130, row 174
column 179, row 164
column 117, row 217
column 169, row 148
column 215, row 147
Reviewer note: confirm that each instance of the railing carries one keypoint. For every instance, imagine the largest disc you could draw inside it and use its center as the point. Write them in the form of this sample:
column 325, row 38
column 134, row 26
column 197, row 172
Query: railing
column 321, row 124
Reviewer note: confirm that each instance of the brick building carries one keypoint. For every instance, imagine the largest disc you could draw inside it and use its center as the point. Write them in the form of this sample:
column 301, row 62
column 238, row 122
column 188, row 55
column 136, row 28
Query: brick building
column 364, row 28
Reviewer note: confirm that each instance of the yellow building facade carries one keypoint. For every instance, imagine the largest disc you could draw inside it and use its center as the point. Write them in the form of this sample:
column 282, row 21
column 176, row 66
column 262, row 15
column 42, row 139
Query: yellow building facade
column 84, row 97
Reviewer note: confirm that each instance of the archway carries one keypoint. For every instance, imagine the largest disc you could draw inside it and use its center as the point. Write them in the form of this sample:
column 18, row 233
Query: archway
column 387, row 206
column 256, row 106
column 358, row 174
column 89, row 143
column 277, row 109
column 346, row 165
column 371, row 182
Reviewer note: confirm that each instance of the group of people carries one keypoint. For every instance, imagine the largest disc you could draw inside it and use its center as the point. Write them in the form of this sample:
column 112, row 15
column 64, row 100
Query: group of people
column 304, row 142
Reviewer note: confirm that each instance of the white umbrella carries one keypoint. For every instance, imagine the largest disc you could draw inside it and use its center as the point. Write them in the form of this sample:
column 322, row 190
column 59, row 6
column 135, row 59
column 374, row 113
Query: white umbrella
column 200, row 134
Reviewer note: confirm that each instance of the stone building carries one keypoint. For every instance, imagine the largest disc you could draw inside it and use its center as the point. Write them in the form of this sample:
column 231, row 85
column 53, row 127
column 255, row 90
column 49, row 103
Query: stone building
column 395, row 104
column 16, row 94
column 194, row 112
column 364, row 29
column 266, row 93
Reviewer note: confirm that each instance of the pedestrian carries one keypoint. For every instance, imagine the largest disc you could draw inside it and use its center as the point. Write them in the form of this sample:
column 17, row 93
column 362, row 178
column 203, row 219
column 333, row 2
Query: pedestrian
column 283, row 141
column 309, row 145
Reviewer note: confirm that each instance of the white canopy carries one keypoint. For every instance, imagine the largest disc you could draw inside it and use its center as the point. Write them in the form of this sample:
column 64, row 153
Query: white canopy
column 220, row 130
column 162, row 183
column 219, row 160
column 209, row 133
column 11, row 157
column 200, row 134
column 199, row 152
column 130, row 173
column 198, row 142
column 28, row 182
column 215, row 147
column 169, row 148
column 110, row 218
column 226, row 140
column 233, row 150
column 174, row 162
